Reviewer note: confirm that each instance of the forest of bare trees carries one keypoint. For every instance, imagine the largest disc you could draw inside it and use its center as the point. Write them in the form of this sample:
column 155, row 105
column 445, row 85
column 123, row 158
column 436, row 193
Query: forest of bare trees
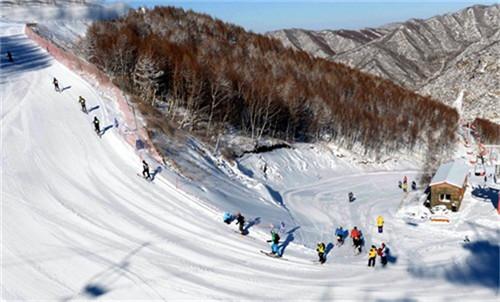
column 209, row 75
column 488, row 131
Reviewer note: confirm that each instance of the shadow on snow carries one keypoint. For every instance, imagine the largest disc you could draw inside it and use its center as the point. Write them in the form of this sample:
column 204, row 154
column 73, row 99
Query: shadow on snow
column 27, row 57
column 481, row 267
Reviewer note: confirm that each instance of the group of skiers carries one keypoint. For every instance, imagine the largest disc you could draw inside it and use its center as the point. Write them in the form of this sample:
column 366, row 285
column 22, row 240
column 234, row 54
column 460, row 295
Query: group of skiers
column 83, row 104
column 240, row 220
column 357, row 242
column 97, row 126
column 382, row 252
column 404, row 184
column 340, row 233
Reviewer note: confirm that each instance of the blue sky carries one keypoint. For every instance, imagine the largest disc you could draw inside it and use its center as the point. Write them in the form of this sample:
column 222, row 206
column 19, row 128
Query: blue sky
column 261, row 16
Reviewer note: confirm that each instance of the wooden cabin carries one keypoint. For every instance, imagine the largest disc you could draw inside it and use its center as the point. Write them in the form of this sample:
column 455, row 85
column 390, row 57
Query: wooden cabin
column 448, row 184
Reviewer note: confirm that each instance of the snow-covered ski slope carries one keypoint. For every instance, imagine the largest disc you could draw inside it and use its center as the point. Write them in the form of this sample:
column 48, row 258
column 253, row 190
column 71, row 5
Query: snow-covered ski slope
column 77, row 222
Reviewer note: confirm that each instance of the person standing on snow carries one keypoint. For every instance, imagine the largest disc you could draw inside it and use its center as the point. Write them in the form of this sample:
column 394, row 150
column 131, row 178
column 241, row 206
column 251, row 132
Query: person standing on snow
column 227, row 218
column 81, row 100
column 56, row 84
column 275, row 239
column 382, row 252
column 358, row 242
column 380, row 224
column 372, row 255
column 97, row 126
column 240, row 221
column 339, row 232
column 320, row 248
column 413, row 185
column 355, row 234
column 145, row 170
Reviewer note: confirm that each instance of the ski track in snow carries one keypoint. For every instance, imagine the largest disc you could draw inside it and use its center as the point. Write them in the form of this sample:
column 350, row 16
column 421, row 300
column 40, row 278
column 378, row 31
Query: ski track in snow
column 75, row 216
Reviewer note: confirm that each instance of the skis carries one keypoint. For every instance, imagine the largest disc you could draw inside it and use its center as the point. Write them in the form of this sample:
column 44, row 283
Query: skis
column 273, row 255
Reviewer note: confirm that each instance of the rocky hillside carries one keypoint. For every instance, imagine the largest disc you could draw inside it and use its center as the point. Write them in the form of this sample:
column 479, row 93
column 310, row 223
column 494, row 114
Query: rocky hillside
column 440, row 56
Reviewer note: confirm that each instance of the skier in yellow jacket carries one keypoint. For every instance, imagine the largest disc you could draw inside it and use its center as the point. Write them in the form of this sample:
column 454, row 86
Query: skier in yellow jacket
column 320, row 248
column 372, row 255
column 380, row 224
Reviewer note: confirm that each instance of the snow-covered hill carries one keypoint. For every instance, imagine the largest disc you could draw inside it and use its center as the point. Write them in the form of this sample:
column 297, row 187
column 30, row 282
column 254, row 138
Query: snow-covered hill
column 68, row 10
column 78, row 223
column 439, row 56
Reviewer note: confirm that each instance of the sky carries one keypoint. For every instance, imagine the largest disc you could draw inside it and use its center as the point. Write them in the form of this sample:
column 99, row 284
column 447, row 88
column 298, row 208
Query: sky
column 261, row 16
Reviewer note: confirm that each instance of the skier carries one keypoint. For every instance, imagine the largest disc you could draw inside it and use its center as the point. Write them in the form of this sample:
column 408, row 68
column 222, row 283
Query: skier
column 97, row 127
column 405, row 186
column 81, row 100
column 145, row 170
column 380, row 223
column 351, row 197
column 372, row 255
column 275, row 239
column 56, row 84
column 355, row 234
column 358, row 242
column 413, row 185
column 400, row 184
column 339, row 232
column 240, row 221
column 405, row 179
column 320, row 248
column 227, row 218
column 382, row 252
column 9, row 57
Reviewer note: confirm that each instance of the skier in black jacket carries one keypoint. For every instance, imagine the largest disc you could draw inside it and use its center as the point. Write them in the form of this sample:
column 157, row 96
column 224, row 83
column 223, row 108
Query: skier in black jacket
column 240, row 221
column 145, row 170
column 97, row 127
column 56, row 85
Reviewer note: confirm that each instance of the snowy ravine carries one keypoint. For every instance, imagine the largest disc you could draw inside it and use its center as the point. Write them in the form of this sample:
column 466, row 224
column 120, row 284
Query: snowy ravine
column 78, row 223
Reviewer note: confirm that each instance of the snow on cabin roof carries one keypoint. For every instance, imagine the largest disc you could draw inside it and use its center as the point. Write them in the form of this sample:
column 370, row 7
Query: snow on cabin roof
column 453, row 173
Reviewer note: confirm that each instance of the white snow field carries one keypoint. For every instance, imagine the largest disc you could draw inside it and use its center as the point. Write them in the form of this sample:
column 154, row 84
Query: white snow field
column 78, row 223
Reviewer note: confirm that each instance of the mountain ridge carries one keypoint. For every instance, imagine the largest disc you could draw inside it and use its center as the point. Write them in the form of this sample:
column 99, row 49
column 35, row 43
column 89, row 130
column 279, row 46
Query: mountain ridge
column 423, row 55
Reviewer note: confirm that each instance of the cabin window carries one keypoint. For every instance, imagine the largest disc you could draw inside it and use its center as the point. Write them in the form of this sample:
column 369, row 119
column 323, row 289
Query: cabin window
column 445, row 197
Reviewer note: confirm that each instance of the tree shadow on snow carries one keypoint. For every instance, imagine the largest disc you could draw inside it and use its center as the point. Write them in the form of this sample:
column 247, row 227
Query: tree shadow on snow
column 486, row 193
column 26, row 54
column 275, row 195
column 481, row 267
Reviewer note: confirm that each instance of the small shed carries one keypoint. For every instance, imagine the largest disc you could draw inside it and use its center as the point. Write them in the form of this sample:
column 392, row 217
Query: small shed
column 448, row 184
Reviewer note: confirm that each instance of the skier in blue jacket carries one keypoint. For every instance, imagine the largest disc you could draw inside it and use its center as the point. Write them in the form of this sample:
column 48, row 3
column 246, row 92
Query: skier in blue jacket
column 339, row 232
column 228, row 217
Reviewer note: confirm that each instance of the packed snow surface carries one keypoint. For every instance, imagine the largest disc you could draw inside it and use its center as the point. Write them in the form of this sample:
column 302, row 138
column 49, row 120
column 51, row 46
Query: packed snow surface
column 78, row 222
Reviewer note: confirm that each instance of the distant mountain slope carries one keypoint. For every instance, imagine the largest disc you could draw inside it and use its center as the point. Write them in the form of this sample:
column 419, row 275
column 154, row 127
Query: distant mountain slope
column 439, row 56
column 327, row 43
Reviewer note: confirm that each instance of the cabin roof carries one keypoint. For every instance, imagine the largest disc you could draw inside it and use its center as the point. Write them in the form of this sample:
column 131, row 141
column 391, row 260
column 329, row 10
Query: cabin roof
column 452, row 173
